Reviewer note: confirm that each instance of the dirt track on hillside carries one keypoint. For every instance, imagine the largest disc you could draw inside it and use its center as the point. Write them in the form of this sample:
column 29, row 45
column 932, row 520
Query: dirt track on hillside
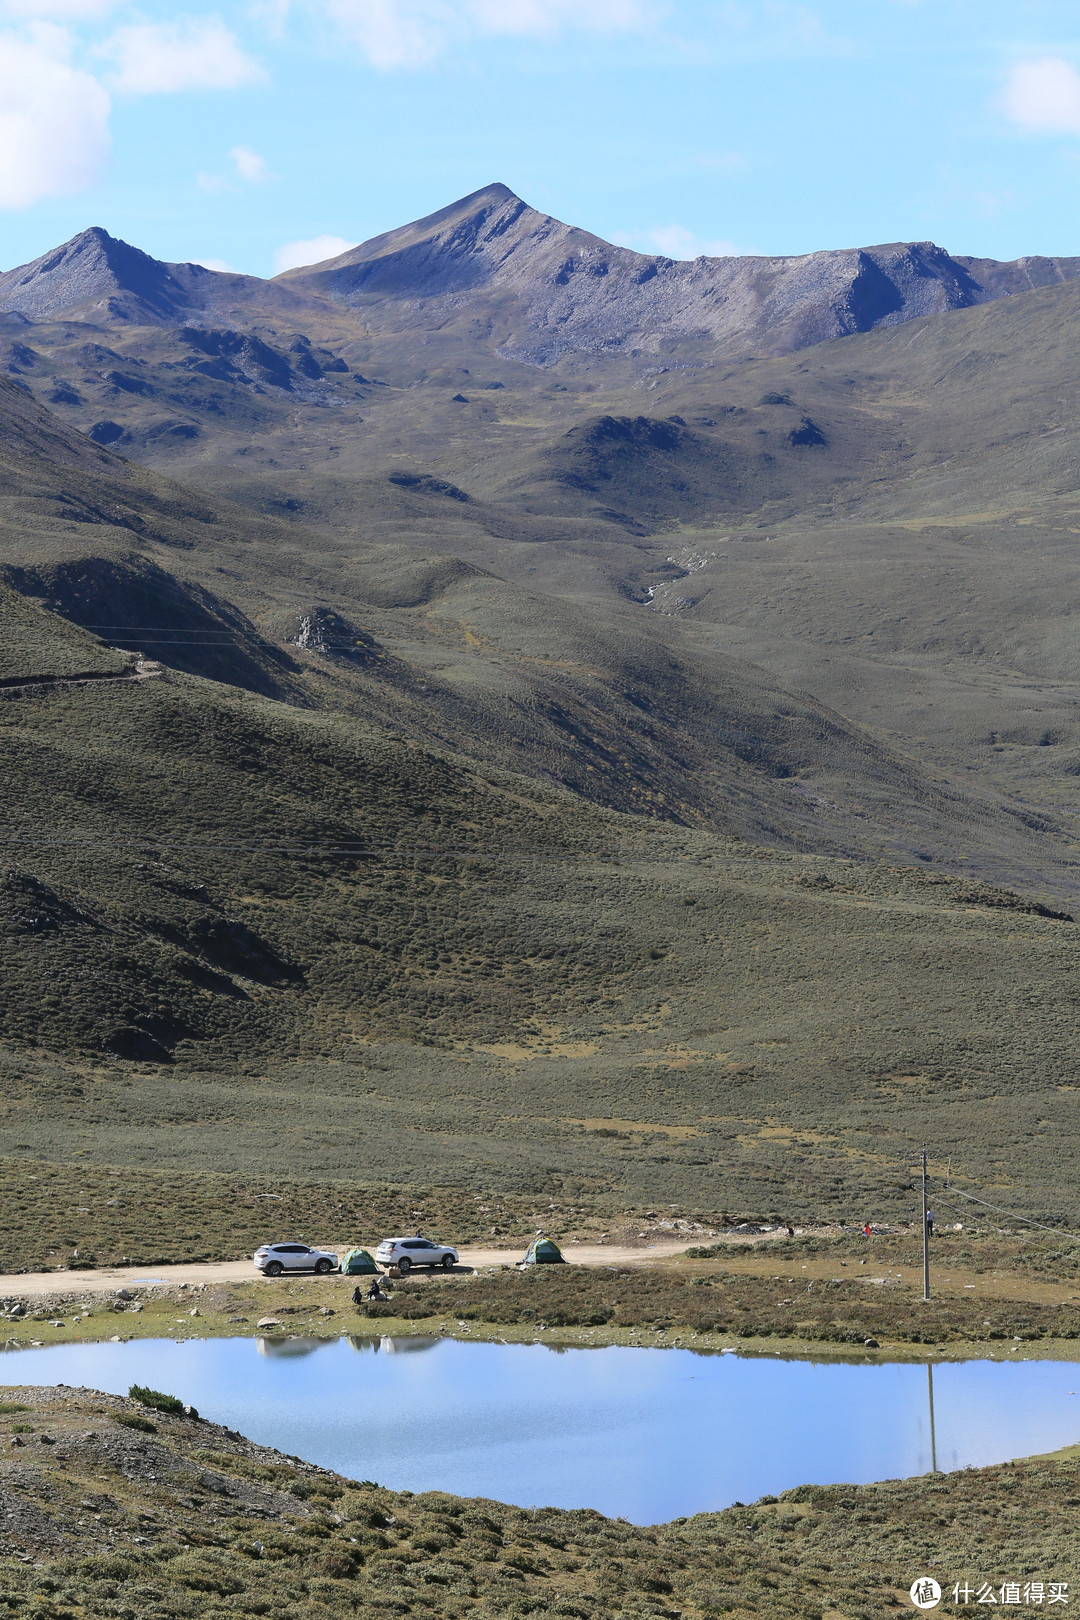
column 31, row 1284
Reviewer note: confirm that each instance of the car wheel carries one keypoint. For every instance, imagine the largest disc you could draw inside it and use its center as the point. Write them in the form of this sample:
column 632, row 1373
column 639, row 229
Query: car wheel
column 274, row 1269
column 404, row 1266
column 448, row 1262
column 322, row 1267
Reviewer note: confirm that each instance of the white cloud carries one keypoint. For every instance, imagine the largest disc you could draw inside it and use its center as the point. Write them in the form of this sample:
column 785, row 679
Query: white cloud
column 270, row 17
column 54, row 120
column 410, row 33
column 316, row 249
column 546, row 16
column 394, row 33
column 214, row 264
column 58, row 10
column 249, row 165
column 676, row 242
column 192, row 53
column 1042, row 95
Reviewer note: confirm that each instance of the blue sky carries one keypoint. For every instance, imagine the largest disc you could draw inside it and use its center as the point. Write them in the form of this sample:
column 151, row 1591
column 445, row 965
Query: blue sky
column 230, row 135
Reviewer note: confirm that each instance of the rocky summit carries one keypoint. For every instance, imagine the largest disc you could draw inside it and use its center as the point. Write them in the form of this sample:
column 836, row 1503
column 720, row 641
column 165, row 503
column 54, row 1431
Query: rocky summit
column 561, row 290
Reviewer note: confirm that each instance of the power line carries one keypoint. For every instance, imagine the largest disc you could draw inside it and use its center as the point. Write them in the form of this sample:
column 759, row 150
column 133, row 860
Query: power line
column 925, row 1233
column 1057, row 1231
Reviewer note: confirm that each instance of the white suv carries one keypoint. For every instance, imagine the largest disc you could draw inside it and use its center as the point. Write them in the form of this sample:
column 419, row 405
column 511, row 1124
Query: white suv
column 415, row 1251
column 274, row 1258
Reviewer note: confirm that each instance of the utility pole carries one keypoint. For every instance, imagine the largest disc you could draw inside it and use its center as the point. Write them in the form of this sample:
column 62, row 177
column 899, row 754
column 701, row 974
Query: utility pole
column 925, row 1236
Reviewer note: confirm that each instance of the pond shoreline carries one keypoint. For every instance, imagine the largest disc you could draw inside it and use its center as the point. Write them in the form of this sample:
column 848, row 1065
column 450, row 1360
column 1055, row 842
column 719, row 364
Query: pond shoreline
column 707, row 1305
column 152, row 1313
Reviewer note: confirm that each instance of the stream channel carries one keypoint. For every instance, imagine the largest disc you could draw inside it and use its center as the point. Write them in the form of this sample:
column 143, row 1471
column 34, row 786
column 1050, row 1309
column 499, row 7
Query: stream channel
column 647, row 1435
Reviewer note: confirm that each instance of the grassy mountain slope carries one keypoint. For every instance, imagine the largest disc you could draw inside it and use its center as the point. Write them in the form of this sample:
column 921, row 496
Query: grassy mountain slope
column 187, row 1514
column 601, row 697
column 935, row 597
column 237, row 934
column 326, row 867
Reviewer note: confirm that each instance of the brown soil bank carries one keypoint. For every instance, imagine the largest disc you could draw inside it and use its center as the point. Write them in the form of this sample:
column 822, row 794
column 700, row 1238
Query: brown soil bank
column 111, row 1509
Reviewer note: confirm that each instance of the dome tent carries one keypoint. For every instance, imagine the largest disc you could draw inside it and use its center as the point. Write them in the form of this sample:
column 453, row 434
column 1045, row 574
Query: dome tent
column 543, row 1252
column 358, row 1263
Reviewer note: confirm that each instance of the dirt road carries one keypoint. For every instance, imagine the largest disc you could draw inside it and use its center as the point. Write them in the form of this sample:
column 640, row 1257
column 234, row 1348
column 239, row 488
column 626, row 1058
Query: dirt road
column 31, row 1285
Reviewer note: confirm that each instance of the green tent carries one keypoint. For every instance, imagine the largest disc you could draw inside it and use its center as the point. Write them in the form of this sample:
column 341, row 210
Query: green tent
column 543, row 1252
column 358, row 1263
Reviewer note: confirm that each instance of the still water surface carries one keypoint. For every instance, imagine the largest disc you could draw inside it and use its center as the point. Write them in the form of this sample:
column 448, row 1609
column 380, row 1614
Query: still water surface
column 645, row 1434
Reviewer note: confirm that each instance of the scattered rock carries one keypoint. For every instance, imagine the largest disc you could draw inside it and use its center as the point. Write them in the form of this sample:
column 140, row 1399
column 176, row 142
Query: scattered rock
column 106, row 432
column 268, row 1322
column 330, row 634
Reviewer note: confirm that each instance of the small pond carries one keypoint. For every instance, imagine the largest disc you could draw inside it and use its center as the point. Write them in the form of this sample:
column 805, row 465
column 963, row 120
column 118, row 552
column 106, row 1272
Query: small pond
column 645, row 1434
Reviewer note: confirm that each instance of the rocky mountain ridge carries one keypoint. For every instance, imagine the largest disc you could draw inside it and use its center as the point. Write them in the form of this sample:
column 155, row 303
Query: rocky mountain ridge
column 542, row 289
column 563, row 290
column 97, row 277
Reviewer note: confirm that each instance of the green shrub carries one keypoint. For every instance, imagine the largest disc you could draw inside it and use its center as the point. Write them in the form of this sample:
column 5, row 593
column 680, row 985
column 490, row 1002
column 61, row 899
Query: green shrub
column 130, row 1421
column 155, row 1399
column 717, row 1251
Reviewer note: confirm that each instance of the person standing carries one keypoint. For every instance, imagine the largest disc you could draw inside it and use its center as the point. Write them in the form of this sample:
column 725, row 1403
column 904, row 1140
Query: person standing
column 929, row 1223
